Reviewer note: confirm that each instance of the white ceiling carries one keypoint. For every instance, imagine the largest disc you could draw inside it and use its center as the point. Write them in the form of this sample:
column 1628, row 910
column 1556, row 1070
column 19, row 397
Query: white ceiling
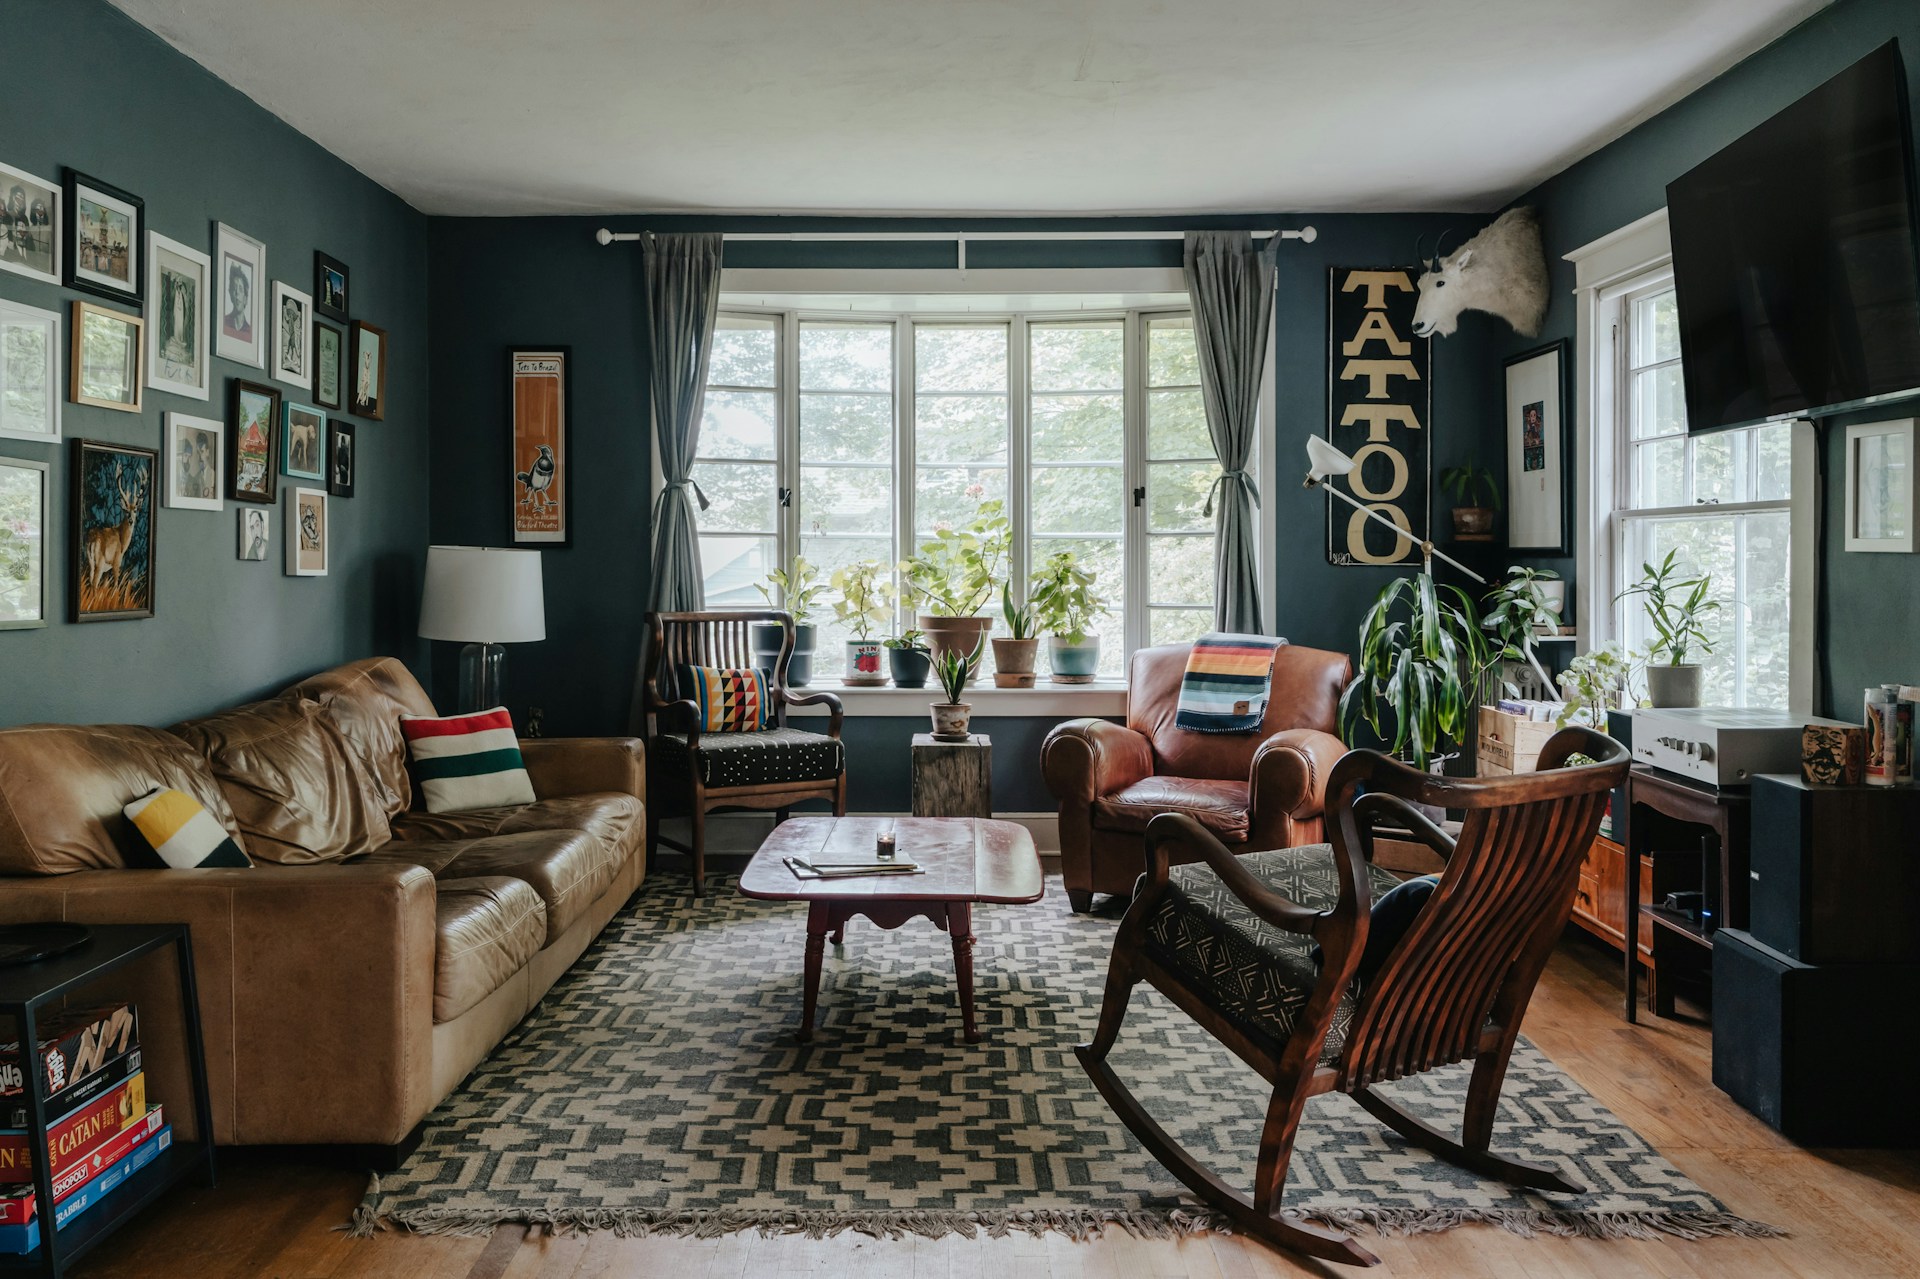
column 963, row 106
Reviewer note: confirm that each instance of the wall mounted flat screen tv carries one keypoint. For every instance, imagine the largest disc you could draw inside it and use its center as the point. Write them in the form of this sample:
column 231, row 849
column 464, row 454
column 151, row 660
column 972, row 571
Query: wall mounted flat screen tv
column 1795, row 257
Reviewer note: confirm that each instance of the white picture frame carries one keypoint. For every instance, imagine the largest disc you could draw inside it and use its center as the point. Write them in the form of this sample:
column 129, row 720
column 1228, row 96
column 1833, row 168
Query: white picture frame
column 255, row 533
column 41, row 423
column 177, row 317
column 196, row 462
column 25, row 510
column 239, row 262
column 292, row 358
column 1539, row 507
column 35, row 255
column 1883, row 486
column 308, row 532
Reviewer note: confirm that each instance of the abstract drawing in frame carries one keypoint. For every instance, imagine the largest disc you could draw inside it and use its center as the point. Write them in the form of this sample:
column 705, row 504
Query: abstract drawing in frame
column 303, row 436
column 367, row 374
column 307, row 533
column 24, row 505
column 105, row 231
column 196, row 462
column 104, row 368
column 29, row 373
column 292, row 336
column 253, row 432
column 329, row 365
column 240, row 282
column 329, row 286
column 539, row 463
column 30, row 225
column 177, row 279
column 342, row 457
column 115, row 494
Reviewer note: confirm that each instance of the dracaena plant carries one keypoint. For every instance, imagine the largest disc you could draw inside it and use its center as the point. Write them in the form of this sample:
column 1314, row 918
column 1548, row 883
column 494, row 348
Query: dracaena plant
column 1677, row 607
column 866, row 597
column 796, row 588
column 1421, row 654
column 954, row 669
column 956, row 569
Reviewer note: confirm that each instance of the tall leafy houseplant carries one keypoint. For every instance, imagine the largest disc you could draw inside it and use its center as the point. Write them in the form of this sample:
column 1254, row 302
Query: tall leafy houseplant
column 1421, row 657
column 1677, row 608
column 1064, row 606
column 865, row 603
column 797, row 588
column 954, row 576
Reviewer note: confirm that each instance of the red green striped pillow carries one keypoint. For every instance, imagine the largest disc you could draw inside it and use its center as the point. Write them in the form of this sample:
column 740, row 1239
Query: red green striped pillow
column 467, row 761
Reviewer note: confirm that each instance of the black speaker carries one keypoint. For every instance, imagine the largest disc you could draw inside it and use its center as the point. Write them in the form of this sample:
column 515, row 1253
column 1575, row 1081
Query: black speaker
column 1823, row 1053
column 1835, row 871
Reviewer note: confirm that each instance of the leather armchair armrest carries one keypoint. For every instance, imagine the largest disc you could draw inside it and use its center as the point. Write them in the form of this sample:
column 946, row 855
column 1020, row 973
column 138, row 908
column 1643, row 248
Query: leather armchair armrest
column 585, row 765
column 1289, row 775
column 835, row 713
column 1084, row 759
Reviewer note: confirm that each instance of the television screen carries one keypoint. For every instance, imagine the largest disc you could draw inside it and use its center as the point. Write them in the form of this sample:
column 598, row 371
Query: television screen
column 1794, row 257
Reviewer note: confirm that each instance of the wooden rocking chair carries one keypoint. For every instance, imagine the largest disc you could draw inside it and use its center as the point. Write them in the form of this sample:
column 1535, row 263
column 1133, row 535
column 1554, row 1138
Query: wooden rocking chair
column 1230, row 941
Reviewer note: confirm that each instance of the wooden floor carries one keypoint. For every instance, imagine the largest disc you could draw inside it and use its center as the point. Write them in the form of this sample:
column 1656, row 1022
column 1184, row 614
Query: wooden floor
column 1853, row 1214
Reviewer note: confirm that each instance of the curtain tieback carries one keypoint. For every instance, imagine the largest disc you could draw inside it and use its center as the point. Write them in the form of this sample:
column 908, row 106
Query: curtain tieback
column 689, row 483
column 1241, row 477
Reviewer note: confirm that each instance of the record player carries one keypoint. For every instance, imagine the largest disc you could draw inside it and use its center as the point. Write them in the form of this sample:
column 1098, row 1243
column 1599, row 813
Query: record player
column 1720, row 745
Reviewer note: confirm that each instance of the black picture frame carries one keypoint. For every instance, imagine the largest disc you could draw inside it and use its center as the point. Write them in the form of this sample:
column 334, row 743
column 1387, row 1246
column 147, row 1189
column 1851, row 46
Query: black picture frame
column 269, row 493
column 341, row 433
column 520, row 490
column 324, row 266
column 72, row 183
column 337, row 400
column 1512, row 420
column 87, row 570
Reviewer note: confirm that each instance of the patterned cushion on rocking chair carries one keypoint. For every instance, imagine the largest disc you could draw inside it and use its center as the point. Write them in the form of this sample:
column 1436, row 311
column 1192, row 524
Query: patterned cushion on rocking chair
column 760, row 758
column 1259, row 976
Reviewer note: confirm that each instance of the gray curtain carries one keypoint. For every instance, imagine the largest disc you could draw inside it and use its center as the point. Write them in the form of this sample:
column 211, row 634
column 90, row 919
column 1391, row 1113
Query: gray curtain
column 1231, row 286
column 682, row 285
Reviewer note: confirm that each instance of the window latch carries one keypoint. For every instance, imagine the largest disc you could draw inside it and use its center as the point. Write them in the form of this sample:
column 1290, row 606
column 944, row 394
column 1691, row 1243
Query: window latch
column 786, row 497
column 1140, row 495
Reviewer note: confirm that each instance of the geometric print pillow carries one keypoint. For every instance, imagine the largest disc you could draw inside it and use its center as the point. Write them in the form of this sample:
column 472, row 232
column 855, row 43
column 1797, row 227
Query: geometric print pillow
column 181, row 833
column 730, row 701
column 467, row 761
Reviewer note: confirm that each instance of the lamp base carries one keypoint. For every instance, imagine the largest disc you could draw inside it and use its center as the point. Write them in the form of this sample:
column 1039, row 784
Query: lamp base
column 483, row 677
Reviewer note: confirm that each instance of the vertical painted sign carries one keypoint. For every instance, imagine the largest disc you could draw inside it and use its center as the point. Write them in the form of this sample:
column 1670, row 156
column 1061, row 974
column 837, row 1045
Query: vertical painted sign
column 1379, row 408
column 540, row 465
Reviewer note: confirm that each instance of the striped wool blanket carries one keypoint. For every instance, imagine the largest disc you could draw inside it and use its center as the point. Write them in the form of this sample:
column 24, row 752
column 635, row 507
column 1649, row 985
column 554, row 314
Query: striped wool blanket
column 1228, row 681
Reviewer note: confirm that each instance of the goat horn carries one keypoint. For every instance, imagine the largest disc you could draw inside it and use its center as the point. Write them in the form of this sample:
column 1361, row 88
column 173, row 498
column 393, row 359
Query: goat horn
column 1439, row 245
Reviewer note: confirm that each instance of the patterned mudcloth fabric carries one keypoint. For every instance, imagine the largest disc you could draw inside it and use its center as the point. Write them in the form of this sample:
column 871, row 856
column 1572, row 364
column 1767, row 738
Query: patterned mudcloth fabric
column 752, row 759
column 1228, row 680
column 1258, row 975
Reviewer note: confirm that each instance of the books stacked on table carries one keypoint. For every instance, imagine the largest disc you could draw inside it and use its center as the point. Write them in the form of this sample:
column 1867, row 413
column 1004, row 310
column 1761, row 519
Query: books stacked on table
column 100, row 1128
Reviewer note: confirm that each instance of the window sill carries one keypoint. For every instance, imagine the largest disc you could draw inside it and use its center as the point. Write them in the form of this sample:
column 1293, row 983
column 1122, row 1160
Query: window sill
column 1045, row 700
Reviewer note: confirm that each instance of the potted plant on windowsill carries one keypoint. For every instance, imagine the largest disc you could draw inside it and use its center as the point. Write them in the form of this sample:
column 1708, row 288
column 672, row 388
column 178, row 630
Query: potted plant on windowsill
column 1472, row 521
column 796, row 588
column 1064, row 606
column 954, row 575
column 1013, row 657
column 908, row 660
column 1677, row 608
column 865, row 603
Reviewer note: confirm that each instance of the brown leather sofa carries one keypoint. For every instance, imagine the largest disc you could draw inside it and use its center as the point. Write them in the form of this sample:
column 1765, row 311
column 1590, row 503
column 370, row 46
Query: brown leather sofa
column 376, row 953
column 1257, row 790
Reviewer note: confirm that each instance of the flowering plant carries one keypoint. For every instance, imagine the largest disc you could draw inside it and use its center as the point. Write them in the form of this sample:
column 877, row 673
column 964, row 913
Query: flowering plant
column 956, row 569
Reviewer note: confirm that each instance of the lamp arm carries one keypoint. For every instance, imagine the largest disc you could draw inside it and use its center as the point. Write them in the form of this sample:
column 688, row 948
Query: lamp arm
column 1426, row 547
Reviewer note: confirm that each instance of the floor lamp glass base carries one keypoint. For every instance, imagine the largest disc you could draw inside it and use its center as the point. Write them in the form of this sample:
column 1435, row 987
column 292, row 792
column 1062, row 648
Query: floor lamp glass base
column 483, row 677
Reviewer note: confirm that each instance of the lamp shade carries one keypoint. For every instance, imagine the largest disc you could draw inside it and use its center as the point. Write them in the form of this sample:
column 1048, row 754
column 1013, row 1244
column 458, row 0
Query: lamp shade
column 482, row 595
column 1323, row 459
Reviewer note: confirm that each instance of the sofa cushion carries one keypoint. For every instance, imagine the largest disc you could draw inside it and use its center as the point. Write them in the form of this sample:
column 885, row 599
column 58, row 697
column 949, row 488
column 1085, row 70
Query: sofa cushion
column 365, row 701
column 487, row 928
column 613, row 818
column 568, row 868
column 182, row 834
column 750, row 759
column 463, row 762
column 1219, row 806
column 298, row 791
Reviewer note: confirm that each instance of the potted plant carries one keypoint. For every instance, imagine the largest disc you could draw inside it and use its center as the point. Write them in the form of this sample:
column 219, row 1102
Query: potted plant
column 796, row 588
column 1677, row 607
column 1013, row 657
column 955, row 671
column 1421, row 654
column 1593, row 684
column 908, row 660
column 1064, row 606
column 1518, row 611
column 1472, row 521
column 866, row 602
column 954, row 575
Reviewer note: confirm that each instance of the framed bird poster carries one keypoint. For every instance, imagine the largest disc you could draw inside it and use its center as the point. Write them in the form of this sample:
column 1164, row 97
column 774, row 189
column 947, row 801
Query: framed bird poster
column 539, row 396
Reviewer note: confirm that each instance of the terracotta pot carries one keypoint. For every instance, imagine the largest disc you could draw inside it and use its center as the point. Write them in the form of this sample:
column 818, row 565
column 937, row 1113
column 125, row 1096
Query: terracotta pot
column 954, row 635
column 1013, row 662
column 865, row 667
column 1472, row 524
column 950, row 720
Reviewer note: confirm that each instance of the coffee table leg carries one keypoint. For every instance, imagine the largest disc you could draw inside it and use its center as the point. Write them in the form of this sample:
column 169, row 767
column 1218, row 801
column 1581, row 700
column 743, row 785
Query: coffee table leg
column 960, row 928
column 819, row 924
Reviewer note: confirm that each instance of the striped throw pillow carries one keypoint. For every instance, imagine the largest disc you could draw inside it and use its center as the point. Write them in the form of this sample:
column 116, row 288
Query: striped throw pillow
column 730, row 701
column 181, row 833
column 467, row 761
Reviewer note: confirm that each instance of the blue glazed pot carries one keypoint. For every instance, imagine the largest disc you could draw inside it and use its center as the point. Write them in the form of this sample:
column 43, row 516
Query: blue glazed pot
column 1074, row 663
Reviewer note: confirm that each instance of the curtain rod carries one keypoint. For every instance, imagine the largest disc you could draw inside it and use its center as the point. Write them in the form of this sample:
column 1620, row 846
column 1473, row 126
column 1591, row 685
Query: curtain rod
column 1306, row 235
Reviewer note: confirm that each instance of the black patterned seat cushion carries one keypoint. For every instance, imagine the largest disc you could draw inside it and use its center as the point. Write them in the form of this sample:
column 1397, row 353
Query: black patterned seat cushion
column 1260, row 977
column 761, row 758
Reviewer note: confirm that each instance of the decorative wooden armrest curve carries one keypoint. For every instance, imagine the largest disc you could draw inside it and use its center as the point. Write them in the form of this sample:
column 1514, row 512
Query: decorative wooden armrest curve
column 835, row 712
column 1168, row 829
column 1416, row 823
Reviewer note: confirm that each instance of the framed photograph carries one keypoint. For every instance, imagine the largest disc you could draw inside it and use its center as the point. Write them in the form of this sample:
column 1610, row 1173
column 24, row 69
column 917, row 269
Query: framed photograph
column 368, row 372
column 196, row 462
column 307, row 533
column 105, row 228
column 114, row 492
column 30, row 373
column 30, row 225
column 340, row 458
column 23, row 544
column 1539, row 433
column 255, row 532
column 330, row 286
column 240, row 274
column 177, row 317
column 253, row 432
column 329, row 365
column 539, row 465
column 292, row 336
column 1883, row 486
column 104, row 367
column 303, row 433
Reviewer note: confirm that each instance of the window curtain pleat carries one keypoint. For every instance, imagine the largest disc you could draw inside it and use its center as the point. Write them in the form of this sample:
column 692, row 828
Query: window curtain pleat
column 681, row 279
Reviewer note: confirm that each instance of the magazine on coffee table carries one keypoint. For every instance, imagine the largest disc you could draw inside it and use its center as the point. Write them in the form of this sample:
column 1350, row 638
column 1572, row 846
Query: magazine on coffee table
column 804, row 869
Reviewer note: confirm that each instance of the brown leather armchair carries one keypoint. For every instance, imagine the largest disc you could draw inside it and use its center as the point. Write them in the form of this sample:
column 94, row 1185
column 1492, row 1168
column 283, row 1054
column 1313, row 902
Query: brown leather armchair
column 1257, row 790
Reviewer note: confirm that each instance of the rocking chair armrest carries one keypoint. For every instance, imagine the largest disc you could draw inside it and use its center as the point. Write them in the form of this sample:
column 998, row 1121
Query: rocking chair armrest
column 1177, row 829
column 1416, row 823
column 835, row 712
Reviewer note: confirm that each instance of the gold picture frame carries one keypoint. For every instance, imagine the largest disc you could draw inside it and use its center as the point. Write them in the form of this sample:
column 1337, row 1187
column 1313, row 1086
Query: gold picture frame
column 107, row 368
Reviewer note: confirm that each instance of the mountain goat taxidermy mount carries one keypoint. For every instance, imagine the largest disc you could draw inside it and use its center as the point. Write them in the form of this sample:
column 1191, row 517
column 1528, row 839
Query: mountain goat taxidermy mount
column 1503, row 270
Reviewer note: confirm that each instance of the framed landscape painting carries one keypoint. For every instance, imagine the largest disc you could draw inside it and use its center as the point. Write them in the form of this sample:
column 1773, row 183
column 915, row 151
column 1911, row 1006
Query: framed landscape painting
column 539, row 463
column 23, row 544
column 29, row 225
column 104, row 371
column 196, row 462
column 114, row 491
column 369, row 371
column 253, row 430
column 240, row 273
column 177, row 317
column 105, row 229
column 307, row 533
column 29, row 373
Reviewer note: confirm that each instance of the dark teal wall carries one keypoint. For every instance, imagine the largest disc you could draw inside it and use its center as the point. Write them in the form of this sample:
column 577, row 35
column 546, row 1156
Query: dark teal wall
column 1867, row 608
column 87, row 87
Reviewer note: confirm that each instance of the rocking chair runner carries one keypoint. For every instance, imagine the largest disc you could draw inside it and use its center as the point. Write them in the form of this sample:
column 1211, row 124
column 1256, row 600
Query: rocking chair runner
column 1230, row 941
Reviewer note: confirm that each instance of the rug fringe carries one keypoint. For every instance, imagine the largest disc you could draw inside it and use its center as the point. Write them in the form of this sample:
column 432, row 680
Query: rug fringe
column 1529, row 1222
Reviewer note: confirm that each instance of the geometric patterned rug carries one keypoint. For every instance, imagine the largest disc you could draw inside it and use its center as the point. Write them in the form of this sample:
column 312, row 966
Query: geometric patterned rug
column 659, row 1088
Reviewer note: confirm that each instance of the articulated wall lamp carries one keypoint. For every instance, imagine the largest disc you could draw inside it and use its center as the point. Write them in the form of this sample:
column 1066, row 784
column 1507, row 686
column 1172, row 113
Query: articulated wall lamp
column 1325, row 461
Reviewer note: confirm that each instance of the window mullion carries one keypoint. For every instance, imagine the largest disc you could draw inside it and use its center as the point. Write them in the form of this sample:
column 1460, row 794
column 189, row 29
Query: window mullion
column 787, row 471
column 1019, row 458
column 1133, row 474
column 903, row 459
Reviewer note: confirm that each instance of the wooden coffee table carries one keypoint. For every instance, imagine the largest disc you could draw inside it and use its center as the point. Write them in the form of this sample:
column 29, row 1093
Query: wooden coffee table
column 967, row 860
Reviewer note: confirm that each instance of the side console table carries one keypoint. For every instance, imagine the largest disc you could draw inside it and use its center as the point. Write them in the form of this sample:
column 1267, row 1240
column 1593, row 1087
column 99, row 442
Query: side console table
column 1724, row 813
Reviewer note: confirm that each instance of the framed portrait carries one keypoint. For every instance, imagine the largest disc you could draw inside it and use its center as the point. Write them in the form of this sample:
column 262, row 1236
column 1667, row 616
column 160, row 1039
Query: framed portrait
column 23, row 544
column 105, row 228
column 30, row 225
column 30, row 373
column 104, row 367
column 329, row 365
column 196, row 462
column 1883, row 486
column 240, row 275
column 253, row 433
column 115, row 487
column 303, row 434
column 177, row 317
column 292, row 336
column 329, row 286
column 256, row 531
column 1539, row 429
column 340, row 457
column 539, row 465
column 307, row 533
column 367, row 372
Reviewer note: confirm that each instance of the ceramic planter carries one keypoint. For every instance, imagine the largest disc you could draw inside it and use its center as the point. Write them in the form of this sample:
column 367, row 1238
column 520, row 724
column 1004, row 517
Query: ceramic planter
column 950, row 720
column 1472, row 524
column 1669, row 685
column 954, row 635
column 910, row 667
column 1074, row 663
column 1013, row 662
column 766, row 650
column 864, row 665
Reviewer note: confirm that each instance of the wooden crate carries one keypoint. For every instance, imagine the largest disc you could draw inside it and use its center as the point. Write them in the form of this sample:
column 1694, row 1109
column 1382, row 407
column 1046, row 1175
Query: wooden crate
column 1509, row 744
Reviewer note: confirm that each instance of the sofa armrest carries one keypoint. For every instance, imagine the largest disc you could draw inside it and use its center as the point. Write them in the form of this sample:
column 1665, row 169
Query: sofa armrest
column 585, row 765
column 1084, row 759
column 1288, row 779
column 315, row 988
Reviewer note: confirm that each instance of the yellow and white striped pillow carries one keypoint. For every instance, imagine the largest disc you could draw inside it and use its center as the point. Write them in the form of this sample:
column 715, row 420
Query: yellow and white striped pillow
column 181, row 833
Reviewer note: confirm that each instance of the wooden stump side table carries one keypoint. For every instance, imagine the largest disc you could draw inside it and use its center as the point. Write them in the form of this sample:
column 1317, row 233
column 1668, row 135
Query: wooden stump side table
column 952, row 779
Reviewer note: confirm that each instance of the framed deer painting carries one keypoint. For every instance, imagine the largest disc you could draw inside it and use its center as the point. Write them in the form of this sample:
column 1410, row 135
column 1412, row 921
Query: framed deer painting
column 115, row 491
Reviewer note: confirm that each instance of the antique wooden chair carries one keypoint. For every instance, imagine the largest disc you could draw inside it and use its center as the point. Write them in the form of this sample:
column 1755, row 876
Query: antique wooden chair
column 691, row 773
column 1230, row 940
